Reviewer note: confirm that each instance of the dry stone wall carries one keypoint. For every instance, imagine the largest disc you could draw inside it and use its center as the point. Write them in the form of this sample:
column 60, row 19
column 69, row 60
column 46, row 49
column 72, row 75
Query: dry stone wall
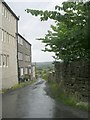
column 74, row 78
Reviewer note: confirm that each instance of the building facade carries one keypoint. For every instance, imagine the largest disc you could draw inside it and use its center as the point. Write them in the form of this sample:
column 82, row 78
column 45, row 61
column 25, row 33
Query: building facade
column 8, row 46
column 33, row 71
column 24, row 59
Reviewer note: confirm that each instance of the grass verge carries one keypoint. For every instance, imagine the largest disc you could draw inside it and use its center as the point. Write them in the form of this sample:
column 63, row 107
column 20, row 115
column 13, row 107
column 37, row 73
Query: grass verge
column 17, row 86
column 60, row 95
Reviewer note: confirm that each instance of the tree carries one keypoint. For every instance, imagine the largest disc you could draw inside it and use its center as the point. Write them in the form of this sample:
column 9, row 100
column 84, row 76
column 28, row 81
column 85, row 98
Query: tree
column 68, row 39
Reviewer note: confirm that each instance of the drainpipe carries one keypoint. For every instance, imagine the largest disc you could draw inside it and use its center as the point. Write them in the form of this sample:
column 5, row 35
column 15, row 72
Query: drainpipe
column 17, row 50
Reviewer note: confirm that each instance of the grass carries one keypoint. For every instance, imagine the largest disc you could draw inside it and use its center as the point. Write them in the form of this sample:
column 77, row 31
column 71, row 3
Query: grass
column 17, row 86
column 67, row 99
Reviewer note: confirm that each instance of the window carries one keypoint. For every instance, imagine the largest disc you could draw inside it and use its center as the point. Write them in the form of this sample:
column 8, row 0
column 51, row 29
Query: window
column 2, row 10
column 27, row 46
column 5, row 12
column 26, row 71
column 20, row 41
column 2, row 35
column 20, row 56
column 5, row 36
column 30, row 71
column 21, row 71
column 4, row 60
column 7, row 60
column 13, row 40
column 9, row 16
column 27, row 58
column 12, row 18
column 8, row 38
column 0, row 60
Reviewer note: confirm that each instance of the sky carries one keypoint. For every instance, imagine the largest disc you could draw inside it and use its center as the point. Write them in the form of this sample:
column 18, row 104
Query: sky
column 31, row 28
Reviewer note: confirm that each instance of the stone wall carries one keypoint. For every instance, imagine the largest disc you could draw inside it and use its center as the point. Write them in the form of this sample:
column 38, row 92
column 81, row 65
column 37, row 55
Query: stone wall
column 73, row 78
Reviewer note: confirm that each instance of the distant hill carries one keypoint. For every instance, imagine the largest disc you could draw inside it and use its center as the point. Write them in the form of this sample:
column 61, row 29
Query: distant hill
column 44, row 65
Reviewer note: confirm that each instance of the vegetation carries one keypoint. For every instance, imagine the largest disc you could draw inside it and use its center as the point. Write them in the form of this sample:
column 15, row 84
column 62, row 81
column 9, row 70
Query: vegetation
column 61, row 96
column 44, row 74
column 43, row 68
column 70, row 36
column 68, row 39
column 17, row 86
column 44, row 65
column 24, row 78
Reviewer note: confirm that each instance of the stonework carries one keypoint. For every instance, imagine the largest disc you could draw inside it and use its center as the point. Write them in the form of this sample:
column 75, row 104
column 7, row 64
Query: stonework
column 8, row 43
column 24, row 59
column 73, row 77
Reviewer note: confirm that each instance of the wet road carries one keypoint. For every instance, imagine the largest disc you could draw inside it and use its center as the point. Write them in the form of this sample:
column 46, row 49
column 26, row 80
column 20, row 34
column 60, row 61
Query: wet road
column 33, row 102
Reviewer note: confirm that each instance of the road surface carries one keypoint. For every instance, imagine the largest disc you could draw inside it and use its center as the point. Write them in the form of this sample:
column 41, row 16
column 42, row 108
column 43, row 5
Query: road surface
column 33, row 102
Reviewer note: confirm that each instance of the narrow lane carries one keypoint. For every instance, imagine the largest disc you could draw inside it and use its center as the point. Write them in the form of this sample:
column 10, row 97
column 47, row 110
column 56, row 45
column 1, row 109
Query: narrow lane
column 33, row 102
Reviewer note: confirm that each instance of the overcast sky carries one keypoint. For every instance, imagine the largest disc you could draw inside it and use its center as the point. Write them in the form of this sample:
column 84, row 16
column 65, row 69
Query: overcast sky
column 31, row 27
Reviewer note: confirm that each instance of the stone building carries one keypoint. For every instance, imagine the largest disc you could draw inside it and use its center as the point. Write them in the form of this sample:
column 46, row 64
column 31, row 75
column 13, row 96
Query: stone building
column 33, row 71
column 8, row 46
column 24, row 59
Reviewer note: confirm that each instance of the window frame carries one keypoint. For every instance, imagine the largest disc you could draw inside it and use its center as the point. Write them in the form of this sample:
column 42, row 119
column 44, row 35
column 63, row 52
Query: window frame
column 0, row 60
column 20, row 40
column 2, row 36
column 20, row 56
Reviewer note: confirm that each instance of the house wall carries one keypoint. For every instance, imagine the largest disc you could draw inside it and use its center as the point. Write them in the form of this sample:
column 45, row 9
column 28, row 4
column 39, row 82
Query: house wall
column 0, row 46
column 33, row 72
column 25, row 49
column 9, row 48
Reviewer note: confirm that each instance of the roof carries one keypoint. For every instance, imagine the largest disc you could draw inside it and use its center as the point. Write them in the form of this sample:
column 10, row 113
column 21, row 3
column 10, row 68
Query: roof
column 23, row 38
column 6, row 5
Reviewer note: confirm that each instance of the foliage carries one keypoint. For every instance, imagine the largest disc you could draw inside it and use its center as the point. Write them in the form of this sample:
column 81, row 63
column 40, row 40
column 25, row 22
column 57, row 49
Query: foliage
column 44, row 65
column 17, row 86
column 67, row 99
column 69, row 38
column 43, row 68
column 45, row 75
